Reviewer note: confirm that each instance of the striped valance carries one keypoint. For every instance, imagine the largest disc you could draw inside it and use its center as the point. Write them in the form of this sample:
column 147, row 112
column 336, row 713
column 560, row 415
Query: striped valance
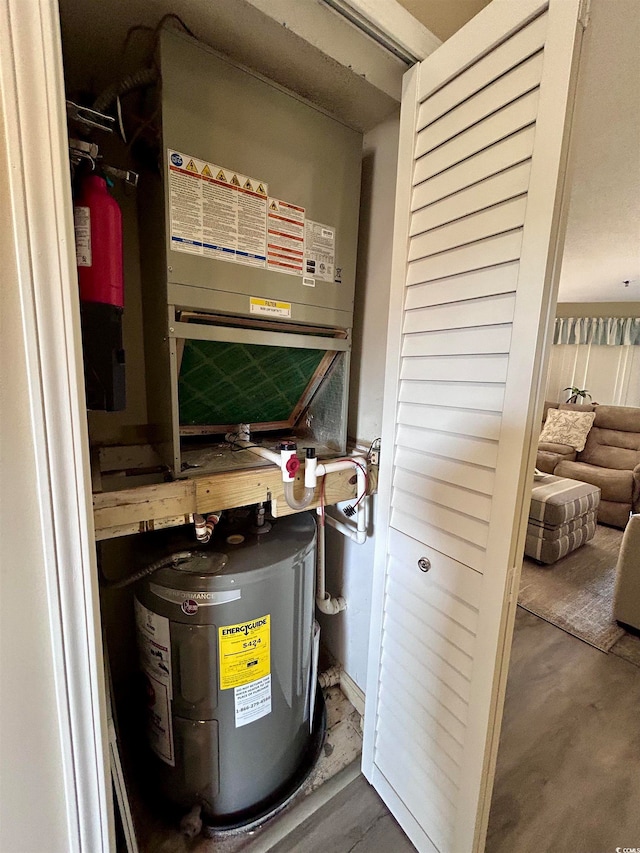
column 605, row 331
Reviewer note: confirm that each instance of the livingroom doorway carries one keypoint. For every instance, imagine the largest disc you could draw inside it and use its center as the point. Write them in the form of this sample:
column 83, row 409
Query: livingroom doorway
column 570, row 745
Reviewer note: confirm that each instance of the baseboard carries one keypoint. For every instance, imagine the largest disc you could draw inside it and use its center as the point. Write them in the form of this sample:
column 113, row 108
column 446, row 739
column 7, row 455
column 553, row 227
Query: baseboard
column 353, row 693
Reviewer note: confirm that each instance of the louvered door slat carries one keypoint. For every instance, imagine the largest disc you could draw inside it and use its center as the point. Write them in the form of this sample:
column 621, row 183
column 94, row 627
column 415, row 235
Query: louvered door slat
column 485, row 253
column 493, row 310
column 520, row 46
column 419, row 791
column 456, row 368
column 497, row 219
column 454, row 497
column 482, row 149
column 478, row 478
column 502, row 155
column 462, row 448
column 456, row 341
column 519, row 114
column 466, row 395
column 495, row 189
column 471, row 285
column 523, row 78
column 402, row 719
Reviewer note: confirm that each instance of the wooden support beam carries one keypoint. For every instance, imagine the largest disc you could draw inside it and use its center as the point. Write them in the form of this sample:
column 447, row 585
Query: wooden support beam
column 144, row 508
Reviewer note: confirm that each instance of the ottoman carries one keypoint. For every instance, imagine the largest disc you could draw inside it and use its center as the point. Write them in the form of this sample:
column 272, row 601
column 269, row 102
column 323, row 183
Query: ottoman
column 562, row 517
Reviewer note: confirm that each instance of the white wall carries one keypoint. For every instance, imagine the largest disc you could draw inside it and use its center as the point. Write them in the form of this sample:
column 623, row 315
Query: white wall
column 350, row 566
column 33, row 813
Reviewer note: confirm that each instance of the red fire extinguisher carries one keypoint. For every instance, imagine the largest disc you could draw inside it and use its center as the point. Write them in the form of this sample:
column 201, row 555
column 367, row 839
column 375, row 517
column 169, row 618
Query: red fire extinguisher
column 98, row 228
column 98, row 224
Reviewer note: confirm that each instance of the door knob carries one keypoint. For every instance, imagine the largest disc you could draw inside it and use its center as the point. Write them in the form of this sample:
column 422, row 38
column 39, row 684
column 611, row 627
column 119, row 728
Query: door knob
column 423, row 564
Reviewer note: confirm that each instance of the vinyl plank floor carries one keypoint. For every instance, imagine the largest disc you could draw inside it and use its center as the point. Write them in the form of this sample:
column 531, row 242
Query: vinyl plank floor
column 354, row 821
column 568, row 775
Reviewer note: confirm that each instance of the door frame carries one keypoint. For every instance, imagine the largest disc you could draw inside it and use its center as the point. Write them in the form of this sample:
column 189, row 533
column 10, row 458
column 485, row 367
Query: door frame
column 38, row 209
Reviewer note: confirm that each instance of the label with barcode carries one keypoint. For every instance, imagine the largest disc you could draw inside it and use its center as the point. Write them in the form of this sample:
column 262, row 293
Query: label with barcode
column 253, row 701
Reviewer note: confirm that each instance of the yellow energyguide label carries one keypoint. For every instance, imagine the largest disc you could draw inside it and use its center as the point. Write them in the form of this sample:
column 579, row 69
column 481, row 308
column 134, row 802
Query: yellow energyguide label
column 245, row 652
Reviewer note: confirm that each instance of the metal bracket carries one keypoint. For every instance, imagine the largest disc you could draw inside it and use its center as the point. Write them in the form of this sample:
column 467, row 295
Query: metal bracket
column 89, row 118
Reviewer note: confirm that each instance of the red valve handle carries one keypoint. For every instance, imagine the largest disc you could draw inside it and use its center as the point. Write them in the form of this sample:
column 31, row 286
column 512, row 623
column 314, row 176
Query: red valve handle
column 292, row 464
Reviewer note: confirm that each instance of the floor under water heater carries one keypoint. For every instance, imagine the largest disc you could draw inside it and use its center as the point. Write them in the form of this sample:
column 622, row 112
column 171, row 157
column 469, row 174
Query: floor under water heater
column 226, row 647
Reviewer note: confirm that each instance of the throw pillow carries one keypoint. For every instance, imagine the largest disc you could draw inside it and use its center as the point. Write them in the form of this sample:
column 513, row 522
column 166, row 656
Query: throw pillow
column 572, row 428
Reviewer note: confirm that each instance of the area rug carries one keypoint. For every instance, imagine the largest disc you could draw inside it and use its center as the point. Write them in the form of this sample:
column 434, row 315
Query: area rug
column 576, row 593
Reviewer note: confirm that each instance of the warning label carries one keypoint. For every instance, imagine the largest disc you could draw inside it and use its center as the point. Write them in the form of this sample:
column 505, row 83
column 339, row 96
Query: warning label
column 245, row 652
column 224, row 217
column 253, row 701
column 154, row 647
column 82, row 225
column 319, row 250
column 285, row 237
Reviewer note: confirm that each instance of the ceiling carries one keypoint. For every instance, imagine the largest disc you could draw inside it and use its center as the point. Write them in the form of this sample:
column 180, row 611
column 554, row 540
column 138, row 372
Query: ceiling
column 602, row 247
column 443, row 17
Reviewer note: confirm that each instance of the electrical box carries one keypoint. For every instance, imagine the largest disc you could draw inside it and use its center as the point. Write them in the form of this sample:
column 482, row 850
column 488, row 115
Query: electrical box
column 248, row 249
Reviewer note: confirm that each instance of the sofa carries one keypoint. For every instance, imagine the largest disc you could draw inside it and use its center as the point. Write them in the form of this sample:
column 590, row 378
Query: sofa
column 610, row 459
column 626, row 599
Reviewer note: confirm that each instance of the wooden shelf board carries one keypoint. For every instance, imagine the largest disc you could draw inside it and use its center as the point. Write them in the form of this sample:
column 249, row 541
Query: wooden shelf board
column 152, row 507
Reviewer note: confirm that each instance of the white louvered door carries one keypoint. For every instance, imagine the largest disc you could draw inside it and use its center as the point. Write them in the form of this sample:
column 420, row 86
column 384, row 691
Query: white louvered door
column 483, row 141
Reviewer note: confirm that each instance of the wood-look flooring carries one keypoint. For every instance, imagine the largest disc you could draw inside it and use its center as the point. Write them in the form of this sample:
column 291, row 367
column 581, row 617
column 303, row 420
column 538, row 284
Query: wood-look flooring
column 354, row 821
column 568, row 775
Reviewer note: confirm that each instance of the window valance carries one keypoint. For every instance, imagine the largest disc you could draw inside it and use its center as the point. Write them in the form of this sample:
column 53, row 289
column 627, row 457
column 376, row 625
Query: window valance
column 604, row 331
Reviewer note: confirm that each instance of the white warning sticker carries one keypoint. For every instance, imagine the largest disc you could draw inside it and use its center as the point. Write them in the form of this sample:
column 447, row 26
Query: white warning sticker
column 82, row 225
column 252, row 701
column 319, row 250
column 216, row 212
column 154, row 648
column 285, row 237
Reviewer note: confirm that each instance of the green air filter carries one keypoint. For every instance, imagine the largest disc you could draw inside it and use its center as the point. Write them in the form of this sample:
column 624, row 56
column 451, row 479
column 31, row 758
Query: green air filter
column 231, row 383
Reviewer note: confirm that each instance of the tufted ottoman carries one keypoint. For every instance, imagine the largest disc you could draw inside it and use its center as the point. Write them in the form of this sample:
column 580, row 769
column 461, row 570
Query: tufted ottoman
column 562, row 517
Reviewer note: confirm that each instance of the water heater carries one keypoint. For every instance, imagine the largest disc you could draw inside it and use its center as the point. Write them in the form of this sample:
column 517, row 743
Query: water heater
column 248, row 250
column 226, row 647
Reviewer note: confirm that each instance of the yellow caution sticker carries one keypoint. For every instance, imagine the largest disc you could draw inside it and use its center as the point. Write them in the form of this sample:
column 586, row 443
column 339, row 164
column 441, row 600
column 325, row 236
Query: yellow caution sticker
column 191, row 167
column 248, row 185
column 258, row 305
column 245, row 652
column 221, row 176
column 207, row 171
column 235, row 181
column 273, row 206
column 261, row 189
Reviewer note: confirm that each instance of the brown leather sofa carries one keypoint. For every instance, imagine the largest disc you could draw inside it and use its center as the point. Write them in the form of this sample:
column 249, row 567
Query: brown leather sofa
column 626, row 600
column 610, row 460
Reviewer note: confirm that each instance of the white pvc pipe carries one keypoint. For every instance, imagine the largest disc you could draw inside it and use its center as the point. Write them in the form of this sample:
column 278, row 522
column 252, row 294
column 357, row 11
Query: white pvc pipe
column 358, row 532
column 324, row 602
column 271, row 455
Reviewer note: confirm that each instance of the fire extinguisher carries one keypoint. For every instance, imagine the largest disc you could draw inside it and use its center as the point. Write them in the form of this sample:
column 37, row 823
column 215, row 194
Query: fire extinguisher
column 98, row 230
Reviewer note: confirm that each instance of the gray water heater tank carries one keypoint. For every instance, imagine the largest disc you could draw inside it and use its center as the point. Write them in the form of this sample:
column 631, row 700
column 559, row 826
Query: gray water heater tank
column 226, row 646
